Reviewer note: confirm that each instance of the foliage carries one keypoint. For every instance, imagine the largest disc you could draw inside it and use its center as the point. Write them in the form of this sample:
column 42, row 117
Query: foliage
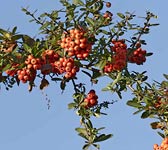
column 88, row 40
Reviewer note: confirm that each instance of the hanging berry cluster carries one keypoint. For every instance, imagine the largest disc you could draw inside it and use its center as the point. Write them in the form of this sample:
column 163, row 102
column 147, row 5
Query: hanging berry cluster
column 138, row 56
column 75, row 43
column 163, row 146
column 91, row 99
column 119, row 57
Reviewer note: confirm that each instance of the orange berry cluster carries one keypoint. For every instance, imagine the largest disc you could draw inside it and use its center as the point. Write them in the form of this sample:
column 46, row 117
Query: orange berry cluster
column 138, row 56
column 91, row 99
column 33, row 63
column 13, row 70
column 163, row 146
column 76, row 44
column 119, row 57
column 26, row 74
column 67, row 66
column 49, row 57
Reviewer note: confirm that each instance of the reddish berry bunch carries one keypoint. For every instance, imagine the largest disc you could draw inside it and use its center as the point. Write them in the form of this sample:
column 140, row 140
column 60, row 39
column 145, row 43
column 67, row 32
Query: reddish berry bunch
column 26, row 74
column 108, row 17
column 13, row 70
column 49, row 57
column 67, row 66
column 119, row 57
column 163, row 146
column 75, row 43
column 33, row 63
column 91, row 99
column 138, row 56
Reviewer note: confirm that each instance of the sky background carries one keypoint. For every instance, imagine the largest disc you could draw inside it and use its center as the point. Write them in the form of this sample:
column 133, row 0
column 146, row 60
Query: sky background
column 27, row 124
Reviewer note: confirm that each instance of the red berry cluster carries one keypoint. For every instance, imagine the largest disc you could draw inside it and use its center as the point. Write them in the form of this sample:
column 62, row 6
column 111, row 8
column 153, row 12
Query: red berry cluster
column 119, row 57
column 76, row 44
column 91, row 99
column 26, row 74
column 163, row 146
column 13, row 70
column 33, row 63
column 49, row 57
column 138, row 56
column 67, row 66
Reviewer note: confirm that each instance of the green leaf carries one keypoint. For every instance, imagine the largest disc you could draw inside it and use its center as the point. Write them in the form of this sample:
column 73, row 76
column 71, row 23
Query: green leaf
column 90, row 21
column 45, row 25
column 101, row 64
column 56, row 79
column 6, row 67
column 86, row 146
column 121, row 15
column 149, row 54
column 145, row 114
column 14, row 30
column 28, row 40
column 71, row 105
column 102, row 137
column 161, row 134
column 97, row 146
column 63, row 85
column 166, row 76
column 134, row 104
column 87, row 73
column 76, row 2
column 81, row 131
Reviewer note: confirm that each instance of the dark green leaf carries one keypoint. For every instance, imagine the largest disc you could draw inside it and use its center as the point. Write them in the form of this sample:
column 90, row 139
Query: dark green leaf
column 86, row 146
column 71, row 105
column 14, row 30
column 102, row 137
column 166, row 76
column 134, row 104
column 121, row 15
column 63, row 85
column 145, row 114
column 56, row 79
column 76, row 2
column 149, row 54
column 97, row 146
column 87, row 73
column 161, row 134
column 45, row 25
column 8, row 66
column 90, row 21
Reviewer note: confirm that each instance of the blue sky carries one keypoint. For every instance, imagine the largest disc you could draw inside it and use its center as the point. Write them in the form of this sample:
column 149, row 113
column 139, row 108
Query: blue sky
column 27, row 124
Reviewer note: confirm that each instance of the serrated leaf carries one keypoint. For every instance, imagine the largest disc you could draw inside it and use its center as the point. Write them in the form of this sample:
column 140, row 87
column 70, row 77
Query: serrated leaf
column 102, row 137
column 121, row 15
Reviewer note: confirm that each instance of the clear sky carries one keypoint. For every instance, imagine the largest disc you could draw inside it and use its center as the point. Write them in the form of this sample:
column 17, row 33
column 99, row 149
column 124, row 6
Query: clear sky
column 27, row 124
